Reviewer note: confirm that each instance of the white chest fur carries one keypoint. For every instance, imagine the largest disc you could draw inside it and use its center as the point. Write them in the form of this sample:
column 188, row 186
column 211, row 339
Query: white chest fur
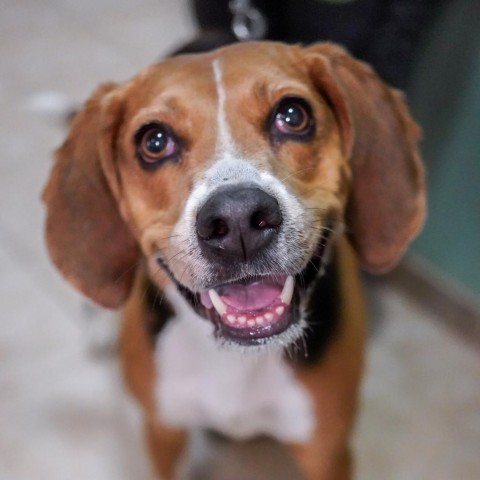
column 241, row 394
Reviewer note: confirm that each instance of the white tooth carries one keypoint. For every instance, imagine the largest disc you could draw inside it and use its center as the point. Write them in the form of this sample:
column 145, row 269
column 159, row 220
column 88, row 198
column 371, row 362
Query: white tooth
column 251, row 323
column 242, row 320
column 231, row 318
column 269, row 316
column 259, row 320
column 220, row 307
column 287, row 292
column 280, row 309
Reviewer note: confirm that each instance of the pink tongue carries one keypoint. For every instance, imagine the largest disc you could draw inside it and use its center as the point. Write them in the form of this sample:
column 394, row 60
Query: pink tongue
column 254, row 296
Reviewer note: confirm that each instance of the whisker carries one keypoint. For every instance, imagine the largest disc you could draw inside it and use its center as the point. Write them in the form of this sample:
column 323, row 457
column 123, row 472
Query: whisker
column 169, row 237
column 128, row 270
column 175, row 255
column 314, row 266
column 318, row 189
column 303, row 339
column 296, row 173
column 320, row 209
column 157, row 292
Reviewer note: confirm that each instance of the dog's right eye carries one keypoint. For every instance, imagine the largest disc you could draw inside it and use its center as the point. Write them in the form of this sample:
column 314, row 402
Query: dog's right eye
column 155, row 143
column 291, row 119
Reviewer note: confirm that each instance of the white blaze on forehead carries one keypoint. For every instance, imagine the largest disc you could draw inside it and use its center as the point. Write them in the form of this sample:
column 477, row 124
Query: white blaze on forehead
column 225, row 145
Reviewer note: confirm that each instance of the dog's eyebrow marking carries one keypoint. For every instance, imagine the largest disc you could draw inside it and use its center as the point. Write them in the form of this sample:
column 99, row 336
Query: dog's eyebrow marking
column 225, row 145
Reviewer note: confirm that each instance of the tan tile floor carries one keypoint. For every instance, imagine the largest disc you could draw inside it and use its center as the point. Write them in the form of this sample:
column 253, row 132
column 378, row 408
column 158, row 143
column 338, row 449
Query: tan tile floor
column 63, row 413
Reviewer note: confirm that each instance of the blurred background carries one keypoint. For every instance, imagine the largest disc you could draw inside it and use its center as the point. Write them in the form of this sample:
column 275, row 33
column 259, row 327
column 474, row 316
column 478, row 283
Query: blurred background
column 63, row 410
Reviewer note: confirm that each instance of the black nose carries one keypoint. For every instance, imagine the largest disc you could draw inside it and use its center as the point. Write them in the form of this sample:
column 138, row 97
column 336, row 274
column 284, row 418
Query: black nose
column 237, row 223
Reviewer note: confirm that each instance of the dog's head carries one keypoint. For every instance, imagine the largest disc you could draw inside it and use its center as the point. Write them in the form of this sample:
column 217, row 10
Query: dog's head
column 232, row 173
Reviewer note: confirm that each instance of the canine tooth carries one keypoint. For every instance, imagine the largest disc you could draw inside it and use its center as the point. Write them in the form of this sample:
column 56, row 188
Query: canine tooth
column 259, row 320
column 251, row 323
column 287, row 292
column 269, row 316
column 220, row 307
column 280, row 310
column 231, row 318
column 242, row 320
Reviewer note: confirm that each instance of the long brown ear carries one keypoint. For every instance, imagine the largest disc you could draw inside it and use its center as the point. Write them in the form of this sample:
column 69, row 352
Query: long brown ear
column 86, row 236
column 386, row 207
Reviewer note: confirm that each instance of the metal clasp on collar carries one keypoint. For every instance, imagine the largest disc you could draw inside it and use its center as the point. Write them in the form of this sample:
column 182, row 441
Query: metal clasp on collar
column 338, row 2
column 248, row 23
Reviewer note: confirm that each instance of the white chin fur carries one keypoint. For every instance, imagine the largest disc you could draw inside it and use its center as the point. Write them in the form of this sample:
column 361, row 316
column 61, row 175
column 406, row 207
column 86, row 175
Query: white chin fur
column 276, row 343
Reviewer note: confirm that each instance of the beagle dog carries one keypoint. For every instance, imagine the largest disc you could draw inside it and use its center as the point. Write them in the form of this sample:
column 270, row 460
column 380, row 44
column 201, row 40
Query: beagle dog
column 223, row 200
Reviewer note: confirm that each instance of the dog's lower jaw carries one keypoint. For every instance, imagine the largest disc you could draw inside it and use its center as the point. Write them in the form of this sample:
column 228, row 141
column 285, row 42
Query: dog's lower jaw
column 286, row 341
column 289, row 333
column 290, row 330
column 266, row 311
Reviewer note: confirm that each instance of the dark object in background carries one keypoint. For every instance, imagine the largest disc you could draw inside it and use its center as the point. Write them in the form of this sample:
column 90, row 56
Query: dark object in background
column 384, row 33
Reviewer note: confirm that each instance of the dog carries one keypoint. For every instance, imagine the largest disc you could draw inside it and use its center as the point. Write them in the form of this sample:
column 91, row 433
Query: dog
column 224, row 201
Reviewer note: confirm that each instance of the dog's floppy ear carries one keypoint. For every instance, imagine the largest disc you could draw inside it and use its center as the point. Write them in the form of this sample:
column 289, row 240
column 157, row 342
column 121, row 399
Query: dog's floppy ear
column 86, row 237
column 387, row 201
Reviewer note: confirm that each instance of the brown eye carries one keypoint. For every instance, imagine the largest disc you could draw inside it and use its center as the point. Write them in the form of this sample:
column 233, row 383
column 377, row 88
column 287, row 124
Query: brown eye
column 155, row 143
column 292, row 118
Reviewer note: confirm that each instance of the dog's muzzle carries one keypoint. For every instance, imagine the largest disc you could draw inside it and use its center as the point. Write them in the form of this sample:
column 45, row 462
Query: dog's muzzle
column 252, row 299
column 236, row 225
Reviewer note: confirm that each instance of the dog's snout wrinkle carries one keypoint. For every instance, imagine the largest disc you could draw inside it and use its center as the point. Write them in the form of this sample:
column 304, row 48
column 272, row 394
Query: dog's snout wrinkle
column 237, row 223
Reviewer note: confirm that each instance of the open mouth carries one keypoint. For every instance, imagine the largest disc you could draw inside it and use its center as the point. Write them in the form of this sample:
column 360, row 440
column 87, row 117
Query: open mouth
column 259, row 310
column 252, row 309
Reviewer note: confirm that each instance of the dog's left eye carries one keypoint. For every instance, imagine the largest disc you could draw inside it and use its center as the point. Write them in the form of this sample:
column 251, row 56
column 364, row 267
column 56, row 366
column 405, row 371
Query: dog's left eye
column 292, row 117
column 155, row 143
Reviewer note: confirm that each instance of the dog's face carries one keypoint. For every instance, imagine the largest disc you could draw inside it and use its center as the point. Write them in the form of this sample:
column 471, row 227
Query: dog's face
column 232, row 173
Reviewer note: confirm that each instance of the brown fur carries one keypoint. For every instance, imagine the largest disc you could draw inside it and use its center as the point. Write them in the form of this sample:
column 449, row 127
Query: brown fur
column 333, row 384
column 362, row 167
column 387, row 202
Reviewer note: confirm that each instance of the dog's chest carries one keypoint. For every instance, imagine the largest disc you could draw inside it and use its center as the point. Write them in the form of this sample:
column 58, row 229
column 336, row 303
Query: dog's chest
column 240, row 394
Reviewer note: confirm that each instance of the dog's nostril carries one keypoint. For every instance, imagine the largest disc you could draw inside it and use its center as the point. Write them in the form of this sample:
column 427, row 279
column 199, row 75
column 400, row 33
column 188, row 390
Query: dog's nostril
column 259, row 221
column 219, row 228
column 263, row 219
column 211, row 229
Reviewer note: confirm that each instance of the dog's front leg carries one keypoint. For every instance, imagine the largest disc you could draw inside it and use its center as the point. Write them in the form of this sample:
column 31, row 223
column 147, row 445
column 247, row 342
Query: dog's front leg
column 326, row 455
column 165, row 445
column 323, row 465
column 141, row 318
column 333, row 383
